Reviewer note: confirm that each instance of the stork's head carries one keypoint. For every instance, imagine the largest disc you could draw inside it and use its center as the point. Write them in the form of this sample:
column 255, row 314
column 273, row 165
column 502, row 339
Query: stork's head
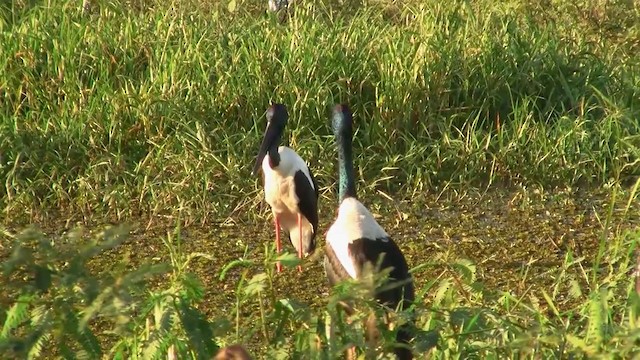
column 277, row 117
column 342, row 121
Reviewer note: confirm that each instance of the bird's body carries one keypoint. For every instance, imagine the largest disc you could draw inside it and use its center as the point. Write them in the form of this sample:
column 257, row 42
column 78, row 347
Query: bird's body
column 290, row 188
column 355, row 240
column 277, row 5
column 232, row 352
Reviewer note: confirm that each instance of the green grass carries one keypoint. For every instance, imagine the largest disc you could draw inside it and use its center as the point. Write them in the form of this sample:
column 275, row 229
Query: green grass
column 150, row 112
column 157, row 108
column 57, row 303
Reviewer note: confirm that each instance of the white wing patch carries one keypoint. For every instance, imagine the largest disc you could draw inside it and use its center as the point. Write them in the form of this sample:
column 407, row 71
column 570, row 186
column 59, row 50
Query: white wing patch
column 354, row 222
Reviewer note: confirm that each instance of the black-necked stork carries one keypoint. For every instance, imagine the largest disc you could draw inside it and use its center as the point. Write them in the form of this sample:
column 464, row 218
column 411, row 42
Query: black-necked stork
column 355, row 239
column 289, row 187
column 277, row 5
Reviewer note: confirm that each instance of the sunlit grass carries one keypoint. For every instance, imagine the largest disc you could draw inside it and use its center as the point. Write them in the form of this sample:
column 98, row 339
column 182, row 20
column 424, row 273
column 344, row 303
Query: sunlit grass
column 151, row 111
column 56, row 304
column 158, row 109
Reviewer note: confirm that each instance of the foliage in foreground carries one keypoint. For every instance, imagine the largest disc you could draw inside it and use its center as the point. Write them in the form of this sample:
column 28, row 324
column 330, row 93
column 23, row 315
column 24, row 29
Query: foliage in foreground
column 147, row 107
column 58, row 306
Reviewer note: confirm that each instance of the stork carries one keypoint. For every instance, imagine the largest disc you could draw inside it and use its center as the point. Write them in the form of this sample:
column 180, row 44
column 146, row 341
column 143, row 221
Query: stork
column 289, row 187
column 277, row 5
column 356, row 240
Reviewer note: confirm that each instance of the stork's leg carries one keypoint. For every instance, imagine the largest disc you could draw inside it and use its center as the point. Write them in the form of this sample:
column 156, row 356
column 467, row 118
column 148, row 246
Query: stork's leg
column 300, row 240
column 278, row 246
column 351, row 352
column 371, row 335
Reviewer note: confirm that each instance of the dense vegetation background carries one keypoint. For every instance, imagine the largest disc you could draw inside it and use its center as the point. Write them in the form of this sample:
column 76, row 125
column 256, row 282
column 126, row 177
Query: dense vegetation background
column 150, row 113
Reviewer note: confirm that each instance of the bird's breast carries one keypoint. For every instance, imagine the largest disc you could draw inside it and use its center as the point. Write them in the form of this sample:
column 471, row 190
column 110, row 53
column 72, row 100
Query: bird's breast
column 279, row 192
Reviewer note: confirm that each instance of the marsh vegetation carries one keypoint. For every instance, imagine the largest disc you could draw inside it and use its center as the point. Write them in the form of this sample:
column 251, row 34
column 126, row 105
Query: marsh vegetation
column 497, row 142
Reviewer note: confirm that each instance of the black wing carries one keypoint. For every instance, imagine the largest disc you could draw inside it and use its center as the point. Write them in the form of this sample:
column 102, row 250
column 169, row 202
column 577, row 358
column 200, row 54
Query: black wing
column 335, row 273
column 387, row 254
column 307, row 198
column 333, row 268
column 315, row 185
column 398, row 290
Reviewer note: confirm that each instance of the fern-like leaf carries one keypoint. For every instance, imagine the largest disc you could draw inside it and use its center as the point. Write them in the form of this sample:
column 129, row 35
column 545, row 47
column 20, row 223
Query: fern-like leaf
column 159, row 343
column 595, row 330
column 145, row 271
column 164, row 317
column 198, row 330
column 256, row 285
column 442, row 290
column 153, row 348
column 193, row 288
column 95, row 307
column 37, row 339
column 66, row 351
column 16, row 315
column 575, row 292
column 21, row 255
column 467, row 269
column 89, row 343
column 40, row 314
column 112, row 237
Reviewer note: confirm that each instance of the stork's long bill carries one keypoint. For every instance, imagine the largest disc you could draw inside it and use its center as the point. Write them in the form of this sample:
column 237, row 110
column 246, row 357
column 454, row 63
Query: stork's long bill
column 269, row 145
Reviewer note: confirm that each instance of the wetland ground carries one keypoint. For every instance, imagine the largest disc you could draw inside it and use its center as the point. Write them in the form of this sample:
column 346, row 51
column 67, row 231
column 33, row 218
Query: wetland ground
column 519, row 241
column 498, row 142
column 517, row 238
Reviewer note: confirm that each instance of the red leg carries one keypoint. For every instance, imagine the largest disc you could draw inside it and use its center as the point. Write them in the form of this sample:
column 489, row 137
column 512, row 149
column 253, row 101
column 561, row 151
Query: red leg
column 300, row 241
column 278, row 246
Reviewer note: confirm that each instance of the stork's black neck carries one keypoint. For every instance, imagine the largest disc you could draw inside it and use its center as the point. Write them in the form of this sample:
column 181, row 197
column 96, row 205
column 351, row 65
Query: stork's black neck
column 274, row 155
column 347, row 181
column 273, row 138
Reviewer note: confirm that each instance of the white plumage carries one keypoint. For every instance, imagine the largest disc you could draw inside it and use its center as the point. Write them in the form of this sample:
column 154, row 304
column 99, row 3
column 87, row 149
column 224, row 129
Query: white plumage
column 280, row 193
column 275, row 5
column 354, row 222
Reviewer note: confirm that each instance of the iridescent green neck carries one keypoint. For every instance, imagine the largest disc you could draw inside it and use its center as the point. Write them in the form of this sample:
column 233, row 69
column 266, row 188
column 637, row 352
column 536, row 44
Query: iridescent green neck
column 346, row 182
